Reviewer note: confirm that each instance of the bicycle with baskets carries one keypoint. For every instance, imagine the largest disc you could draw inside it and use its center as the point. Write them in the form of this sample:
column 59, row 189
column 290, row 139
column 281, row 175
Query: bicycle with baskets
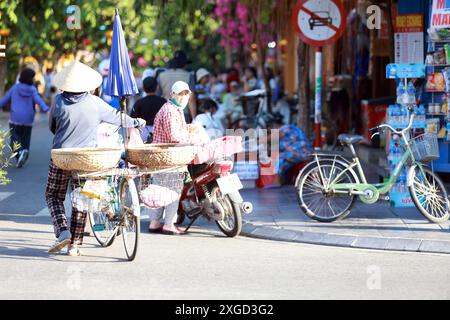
column 113, row 211
column 329, row 185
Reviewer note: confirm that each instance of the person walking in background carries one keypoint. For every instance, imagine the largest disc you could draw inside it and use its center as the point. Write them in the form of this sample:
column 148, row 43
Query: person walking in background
column 232, row 106
column 209, row 121
column 251, row 81
column 202, row 88
column 177, row 72
column 23, row 97
column 147, row 108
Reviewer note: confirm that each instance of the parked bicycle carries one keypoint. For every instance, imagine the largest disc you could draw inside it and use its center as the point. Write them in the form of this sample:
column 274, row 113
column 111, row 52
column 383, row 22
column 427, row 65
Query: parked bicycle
column 251, row 120
column 329, row 185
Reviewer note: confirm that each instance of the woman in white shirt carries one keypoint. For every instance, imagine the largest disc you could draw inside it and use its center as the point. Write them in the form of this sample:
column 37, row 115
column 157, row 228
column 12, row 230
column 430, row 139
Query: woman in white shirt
column 208, row 121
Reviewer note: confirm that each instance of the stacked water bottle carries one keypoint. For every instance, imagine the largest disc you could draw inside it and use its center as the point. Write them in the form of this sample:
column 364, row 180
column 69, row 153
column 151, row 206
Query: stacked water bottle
column 398, row 115
column 395, row 156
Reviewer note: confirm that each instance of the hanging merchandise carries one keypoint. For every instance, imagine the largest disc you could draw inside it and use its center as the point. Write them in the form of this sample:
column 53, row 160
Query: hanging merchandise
column 438, row 85
column 398, row 117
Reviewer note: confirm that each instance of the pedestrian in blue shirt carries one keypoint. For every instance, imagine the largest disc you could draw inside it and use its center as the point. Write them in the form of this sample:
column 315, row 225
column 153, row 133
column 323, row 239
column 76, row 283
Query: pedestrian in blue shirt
column 23, row 97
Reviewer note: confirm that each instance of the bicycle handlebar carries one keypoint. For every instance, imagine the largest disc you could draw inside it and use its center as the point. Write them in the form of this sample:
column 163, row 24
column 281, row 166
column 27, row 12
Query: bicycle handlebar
column 399, row 132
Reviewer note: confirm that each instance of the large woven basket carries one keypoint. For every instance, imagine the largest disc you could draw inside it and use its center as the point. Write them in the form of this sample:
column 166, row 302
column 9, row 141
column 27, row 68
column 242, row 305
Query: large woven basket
column 86, row 159
column 161, row 155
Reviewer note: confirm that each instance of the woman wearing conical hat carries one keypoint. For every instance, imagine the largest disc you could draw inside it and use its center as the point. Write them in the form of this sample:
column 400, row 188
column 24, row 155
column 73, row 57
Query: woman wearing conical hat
column 74, row 119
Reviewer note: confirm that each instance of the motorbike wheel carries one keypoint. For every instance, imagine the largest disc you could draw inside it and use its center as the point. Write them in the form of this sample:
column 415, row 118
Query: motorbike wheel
column 231, row 226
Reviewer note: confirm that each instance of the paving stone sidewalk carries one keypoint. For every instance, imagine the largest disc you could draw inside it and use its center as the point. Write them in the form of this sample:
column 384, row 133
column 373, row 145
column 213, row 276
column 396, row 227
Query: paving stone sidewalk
column 277, row 216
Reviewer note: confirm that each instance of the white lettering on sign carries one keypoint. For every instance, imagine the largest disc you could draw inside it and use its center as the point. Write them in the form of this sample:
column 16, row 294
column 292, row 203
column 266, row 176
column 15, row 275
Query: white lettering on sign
column 440, row 14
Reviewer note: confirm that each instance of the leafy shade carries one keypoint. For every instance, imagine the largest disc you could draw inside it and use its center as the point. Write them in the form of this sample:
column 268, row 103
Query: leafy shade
column 5, row 160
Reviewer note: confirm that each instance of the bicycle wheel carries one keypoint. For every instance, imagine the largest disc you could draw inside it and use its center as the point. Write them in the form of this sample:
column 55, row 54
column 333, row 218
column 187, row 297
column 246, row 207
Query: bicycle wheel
column 429, row 195
column 320, row 204
column 104, row 224
column 129, row 202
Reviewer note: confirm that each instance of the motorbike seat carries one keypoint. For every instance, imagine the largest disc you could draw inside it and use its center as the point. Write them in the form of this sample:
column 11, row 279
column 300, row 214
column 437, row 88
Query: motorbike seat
column 196, row 169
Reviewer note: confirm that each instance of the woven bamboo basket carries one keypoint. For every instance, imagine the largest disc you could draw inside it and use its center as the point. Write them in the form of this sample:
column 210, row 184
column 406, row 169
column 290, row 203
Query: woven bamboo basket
column 161, row 155
column 86, row 159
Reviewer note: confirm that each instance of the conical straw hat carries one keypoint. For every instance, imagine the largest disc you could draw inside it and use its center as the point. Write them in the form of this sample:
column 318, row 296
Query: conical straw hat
column 77, row 77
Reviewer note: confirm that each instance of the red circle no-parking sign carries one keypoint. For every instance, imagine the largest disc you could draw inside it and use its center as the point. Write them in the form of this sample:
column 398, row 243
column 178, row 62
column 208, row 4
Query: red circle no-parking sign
column 319, row 22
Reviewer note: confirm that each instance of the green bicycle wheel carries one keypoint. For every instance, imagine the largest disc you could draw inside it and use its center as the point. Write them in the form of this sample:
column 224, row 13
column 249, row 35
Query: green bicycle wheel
column 320, row 204
column 429, row 195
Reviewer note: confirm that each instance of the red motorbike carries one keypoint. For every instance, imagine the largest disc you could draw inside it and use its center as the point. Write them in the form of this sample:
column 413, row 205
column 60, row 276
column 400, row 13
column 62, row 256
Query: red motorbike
column 213, row 192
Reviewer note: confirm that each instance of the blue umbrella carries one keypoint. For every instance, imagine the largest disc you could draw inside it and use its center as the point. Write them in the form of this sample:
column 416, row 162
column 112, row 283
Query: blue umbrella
column 121, row 82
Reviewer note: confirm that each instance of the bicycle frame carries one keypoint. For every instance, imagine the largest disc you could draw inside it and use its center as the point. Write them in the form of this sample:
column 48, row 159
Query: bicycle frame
column 369, row 193
column 360, row 188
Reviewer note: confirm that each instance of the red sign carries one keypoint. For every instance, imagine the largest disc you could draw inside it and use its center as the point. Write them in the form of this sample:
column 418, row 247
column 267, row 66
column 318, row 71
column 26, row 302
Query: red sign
column 440, row 14
column 319, row 22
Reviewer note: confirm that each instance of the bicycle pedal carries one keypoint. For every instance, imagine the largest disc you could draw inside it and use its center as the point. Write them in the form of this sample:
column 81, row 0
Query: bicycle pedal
column 385, row 198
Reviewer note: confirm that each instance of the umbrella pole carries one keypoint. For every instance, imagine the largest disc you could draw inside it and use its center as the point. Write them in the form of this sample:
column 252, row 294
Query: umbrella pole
column 123, row 111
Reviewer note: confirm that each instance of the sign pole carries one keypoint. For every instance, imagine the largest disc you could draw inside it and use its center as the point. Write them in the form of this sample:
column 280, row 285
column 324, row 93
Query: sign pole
column 318, row 100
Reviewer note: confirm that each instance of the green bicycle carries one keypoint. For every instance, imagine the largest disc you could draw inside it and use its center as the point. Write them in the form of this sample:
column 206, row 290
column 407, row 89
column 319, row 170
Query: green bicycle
column 328, row 186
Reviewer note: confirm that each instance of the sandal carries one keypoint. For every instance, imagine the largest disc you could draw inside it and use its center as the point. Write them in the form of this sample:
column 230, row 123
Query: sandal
column 155, row 230
column 178, row 232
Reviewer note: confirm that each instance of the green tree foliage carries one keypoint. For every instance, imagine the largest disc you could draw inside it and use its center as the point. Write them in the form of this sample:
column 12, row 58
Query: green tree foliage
column 5, row 159
column 153, row 29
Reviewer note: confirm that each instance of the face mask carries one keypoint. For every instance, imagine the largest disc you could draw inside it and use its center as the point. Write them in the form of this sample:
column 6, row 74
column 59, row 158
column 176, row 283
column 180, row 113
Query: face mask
column 184, row 101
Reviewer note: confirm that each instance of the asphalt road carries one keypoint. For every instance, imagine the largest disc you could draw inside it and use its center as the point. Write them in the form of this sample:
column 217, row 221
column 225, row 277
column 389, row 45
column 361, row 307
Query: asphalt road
column 201, row 265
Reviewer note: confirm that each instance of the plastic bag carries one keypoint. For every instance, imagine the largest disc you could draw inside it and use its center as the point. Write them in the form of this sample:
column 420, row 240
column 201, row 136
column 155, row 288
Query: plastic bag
column 225, row 146
column 156, row 197
column 135, row 137
column 198, row 134
column 108, row 136
column 84, row 203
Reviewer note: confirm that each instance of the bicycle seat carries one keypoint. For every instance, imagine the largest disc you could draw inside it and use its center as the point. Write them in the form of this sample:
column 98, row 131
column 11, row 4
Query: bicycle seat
column 350, row 138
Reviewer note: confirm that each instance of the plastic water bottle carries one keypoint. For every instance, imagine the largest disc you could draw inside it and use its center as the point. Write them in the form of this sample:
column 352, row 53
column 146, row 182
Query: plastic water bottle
column 403, row 182
column 422, row 116
column 400, row 92
column 390, row 114
column 416, row 117
column 391, row 155
column 396, row 117
column 411, row 93
column 403, row 117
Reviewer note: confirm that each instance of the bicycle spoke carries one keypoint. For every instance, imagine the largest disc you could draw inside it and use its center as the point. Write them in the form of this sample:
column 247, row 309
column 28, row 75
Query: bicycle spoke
column 319, row 203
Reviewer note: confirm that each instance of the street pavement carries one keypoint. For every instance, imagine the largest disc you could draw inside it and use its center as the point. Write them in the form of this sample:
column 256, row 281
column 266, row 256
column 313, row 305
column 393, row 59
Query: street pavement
column 279, row 217
column 206, row 265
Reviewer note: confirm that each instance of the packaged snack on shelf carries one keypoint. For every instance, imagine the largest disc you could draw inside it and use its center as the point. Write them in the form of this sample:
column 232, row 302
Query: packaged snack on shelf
column 432, row 126
column 442, row 132
column 442, row 56
column 446, row 74
column 435, row 82
column 448, row 131
column 447, row 53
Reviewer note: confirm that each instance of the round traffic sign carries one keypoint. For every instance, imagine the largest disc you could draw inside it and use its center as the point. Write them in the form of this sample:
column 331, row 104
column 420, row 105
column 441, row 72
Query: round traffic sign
column 319, row 22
